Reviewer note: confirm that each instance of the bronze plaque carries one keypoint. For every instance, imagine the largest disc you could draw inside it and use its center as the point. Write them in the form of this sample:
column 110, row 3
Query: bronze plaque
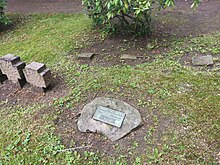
column 109, row 116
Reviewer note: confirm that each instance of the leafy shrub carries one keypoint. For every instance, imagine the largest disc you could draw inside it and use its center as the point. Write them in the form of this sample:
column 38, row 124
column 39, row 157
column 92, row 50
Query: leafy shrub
column 3, row 19
column 132, row 15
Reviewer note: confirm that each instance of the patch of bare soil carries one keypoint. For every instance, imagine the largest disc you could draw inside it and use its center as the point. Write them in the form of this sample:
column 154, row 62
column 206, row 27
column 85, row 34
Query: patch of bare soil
column 30, row 95
column 108, row 52
column 44, row 6
column 168, row 25
column 181, row 20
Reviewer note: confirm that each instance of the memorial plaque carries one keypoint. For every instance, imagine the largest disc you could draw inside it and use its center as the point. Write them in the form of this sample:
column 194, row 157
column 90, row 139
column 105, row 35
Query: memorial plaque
column 109, row 116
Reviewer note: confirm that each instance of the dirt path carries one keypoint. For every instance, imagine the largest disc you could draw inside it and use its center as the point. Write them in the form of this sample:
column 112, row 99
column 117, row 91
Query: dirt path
column 44, row 6
column 206, row 19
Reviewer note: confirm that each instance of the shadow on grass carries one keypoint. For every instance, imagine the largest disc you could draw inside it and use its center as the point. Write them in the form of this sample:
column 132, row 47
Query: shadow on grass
column 15, row 21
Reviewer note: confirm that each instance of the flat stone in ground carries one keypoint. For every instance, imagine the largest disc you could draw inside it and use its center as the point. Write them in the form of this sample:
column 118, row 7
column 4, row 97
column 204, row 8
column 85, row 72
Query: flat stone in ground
column 202, row 60
column 86, row 123
column 85, row 56
column 128, row 57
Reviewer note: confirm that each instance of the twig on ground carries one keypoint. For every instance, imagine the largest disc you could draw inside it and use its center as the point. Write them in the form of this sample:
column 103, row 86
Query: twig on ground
column 73, row 149
column 94, row 96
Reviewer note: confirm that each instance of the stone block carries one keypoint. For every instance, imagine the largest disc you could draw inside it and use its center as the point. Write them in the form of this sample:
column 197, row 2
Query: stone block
column 202, row 60
column 12, row 67
column 85, row 56
column 38, row 75
column 128, row 57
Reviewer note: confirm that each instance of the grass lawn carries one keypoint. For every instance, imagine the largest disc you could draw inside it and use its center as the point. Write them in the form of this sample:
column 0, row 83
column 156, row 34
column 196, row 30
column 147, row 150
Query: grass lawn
column 164, row 91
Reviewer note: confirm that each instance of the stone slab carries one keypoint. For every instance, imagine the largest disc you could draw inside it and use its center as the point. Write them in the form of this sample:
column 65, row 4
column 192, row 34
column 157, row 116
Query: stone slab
column 202, row 60
column 128, row 57
column 85, row 56
column 86, row 123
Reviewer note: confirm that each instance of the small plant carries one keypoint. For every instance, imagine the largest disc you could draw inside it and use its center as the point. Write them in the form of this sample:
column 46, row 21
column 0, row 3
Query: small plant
column 3, row 19
column 151, row 91
column 91, row 157
column 135, row 145
column 133, row 15
column 133, row 85
column 156, row 156
column 59, row 102
column 27, row 139
column 137, row 161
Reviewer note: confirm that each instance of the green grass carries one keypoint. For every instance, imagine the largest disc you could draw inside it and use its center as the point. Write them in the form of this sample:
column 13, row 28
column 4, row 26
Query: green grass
column 45, row 38
column 161, row 88
column 22, row 135
column 191, row 98
column 27, row 137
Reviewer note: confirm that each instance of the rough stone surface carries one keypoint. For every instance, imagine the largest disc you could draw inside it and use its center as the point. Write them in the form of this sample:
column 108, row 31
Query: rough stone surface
column 87, row 123
column 38, row 75
column 202, row 60
column 86, row 56
column 128, row 57
column 13, row 67
column 36, row 66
